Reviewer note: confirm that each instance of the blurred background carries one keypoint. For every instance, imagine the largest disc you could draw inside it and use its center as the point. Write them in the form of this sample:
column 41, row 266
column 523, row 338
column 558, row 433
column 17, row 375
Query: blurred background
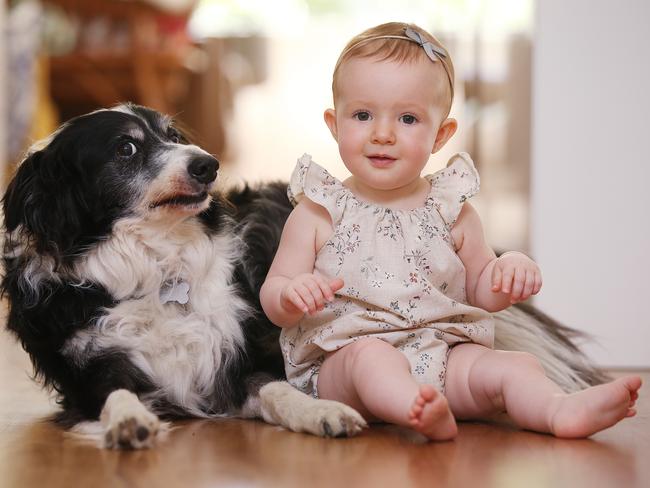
column 551, row 98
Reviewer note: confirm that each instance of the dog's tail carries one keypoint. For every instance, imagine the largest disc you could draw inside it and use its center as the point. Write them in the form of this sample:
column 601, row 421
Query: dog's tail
column 524, row 328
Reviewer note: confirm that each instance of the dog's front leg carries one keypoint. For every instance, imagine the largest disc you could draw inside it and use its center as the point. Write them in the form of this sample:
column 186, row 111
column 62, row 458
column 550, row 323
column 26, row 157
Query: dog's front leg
column 281, row 404
column 127, row 423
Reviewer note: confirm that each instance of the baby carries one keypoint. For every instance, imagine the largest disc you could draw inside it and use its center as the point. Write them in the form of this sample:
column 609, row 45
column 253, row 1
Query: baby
column 383, row 283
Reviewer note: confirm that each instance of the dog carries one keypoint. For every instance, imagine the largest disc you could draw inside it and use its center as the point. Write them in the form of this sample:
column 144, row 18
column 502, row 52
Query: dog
column 133, row 286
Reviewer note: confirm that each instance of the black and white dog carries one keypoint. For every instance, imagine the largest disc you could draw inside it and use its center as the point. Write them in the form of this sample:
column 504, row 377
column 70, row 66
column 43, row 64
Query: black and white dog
column 134, row 287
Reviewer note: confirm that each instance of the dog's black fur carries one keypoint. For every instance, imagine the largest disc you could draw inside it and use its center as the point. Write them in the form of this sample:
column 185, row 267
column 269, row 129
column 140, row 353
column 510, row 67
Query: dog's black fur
column 71, row 198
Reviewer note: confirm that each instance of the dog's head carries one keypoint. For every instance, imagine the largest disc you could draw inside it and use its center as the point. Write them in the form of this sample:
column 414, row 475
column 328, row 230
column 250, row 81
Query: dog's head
column 99, row 167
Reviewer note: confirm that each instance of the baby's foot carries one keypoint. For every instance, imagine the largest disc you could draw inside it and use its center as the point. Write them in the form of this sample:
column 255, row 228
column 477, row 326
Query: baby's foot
column 594, row 409
column 430, row 415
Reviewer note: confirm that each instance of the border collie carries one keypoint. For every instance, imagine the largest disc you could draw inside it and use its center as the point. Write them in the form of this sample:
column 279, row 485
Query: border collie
column 134, row 286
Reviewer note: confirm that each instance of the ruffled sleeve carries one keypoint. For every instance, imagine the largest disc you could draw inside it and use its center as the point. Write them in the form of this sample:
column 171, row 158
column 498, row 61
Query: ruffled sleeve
column 453, row 185
column 314, row 182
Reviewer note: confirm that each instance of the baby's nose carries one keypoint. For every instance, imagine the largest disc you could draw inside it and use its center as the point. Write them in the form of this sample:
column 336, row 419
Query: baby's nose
column 383, row 133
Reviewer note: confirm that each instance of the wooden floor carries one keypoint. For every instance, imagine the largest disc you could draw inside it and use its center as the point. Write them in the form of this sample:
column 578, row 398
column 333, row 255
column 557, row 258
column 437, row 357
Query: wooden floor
column 35, row 453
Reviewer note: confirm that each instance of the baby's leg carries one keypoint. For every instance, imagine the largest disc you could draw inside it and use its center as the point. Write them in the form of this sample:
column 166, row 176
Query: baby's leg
column 481, row 382
column 374, row 378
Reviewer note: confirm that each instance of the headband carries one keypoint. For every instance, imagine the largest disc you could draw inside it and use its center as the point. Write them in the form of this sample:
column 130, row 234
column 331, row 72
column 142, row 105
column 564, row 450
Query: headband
column 433, row 52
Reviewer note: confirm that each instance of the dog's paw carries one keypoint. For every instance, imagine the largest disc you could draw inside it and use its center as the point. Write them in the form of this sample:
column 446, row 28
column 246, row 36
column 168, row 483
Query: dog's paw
column 280, row 403
column 127, row 422
column 133, row 431
column 327, row 418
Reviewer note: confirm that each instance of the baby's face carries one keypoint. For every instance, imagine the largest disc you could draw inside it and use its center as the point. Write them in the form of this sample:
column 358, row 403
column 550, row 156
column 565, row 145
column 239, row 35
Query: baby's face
column 387, row 118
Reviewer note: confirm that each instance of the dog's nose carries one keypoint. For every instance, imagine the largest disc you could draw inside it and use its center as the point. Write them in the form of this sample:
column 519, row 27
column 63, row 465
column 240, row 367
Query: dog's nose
column 203, row 169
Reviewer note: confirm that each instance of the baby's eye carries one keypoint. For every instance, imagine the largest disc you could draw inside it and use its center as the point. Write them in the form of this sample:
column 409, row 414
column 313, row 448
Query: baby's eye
column 362, row 116
column 408, row 119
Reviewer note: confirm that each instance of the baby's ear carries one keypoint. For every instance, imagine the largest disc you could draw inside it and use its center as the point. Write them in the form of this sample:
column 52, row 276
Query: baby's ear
column 330, row 120
column 445, row 132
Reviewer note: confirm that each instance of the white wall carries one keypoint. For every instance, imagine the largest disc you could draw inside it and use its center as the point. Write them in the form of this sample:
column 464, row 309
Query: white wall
column 591, row 172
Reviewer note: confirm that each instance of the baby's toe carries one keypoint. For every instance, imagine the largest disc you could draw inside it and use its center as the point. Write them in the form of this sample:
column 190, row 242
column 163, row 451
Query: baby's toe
column 427, row 393
column 416, row 409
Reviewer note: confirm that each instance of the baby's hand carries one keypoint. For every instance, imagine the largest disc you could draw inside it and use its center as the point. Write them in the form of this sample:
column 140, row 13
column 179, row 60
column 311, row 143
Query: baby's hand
column 308, row 292
column 516, row 274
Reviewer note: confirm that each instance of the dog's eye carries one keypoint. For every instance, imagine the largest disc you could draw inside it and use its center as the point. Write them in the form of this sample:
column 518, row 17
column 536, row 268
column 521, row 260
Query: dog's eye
column 126, row 150
column 174, row 136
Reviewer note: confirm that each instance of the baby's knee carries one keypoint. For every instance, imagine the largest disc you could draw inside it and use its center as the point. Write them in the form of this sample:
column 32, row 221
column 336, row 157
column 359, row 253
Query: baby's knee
column 522, row 360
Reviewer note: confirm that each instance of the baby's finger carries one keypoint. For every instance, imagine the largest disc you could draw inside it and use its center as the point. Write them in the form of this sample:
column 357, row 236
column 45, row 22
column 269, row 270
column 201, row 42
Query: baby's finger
column 496, row 278
column 518, row 284
column 294, row 298
column 307, row 297
column 506, row 280
column 316, row 293
column 538, row 283
column 529, row 286
column 325, row 289
column 336, row 284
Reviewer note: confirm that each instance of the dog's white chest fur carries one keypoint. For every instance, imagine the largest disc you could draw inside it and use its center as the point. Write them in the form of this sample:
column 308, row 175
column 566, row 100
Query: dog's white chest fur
column 179, row 346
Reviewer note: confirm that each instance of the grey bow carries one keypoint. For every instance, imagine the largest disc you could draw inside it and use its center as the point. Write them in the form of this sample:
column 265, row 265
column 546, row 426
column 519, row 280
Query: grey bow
column 434, row 52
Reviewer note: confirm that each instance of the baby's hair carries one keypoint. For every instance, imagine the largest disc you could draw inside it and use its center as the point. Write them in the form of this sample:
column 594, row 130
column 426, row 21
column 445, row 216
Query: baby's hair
column 388, row 42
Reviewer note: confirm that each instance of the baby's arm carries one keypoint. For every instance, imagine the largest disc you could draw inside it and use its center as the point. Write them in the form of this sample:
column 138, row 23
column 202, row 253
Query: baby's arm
column 492, row 283
column 291, row 288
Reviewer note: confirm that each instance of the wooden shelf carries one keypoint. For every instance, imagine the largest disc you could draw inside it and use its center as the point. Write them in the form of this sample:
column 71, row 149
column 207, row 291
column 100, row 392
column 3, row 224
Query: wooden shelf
column 148, row 70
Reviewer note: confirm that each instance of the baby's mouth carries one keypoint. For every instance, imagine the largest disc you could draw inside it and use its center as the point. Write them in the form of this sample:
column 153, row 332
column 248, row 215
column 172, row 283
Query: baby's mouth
column 381, row 160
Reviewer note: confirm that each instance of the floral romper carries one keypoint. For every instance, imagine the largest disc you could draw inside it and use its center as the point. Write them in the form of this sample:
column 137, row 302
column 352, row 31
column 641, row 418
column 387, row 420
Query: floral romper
column 404, row 283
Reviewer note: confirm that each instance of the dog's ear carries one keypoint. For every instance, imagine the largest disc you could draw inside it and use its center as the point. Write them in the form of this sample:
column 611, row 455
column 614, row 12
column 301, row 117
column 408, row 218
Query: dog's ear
column 45, row 205
column 19, row 193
